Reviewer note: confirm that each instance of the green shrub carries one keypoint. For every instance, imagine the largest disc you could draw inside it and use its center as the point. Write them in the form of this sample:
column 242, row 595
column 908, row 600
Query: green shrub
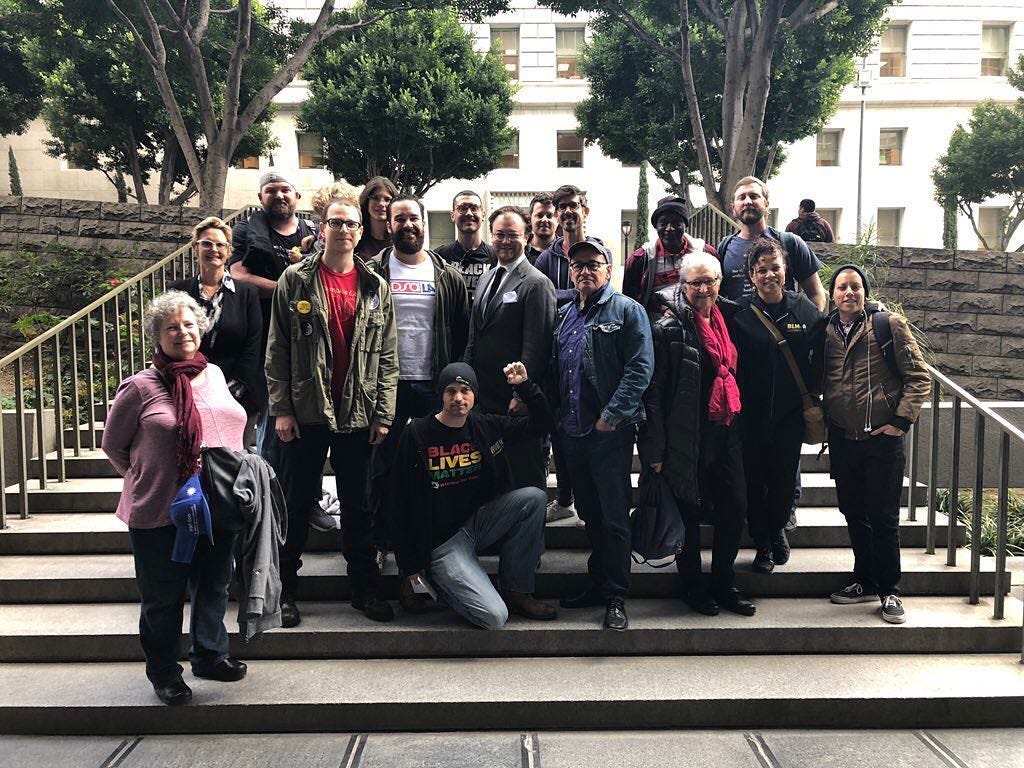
column 989, row 518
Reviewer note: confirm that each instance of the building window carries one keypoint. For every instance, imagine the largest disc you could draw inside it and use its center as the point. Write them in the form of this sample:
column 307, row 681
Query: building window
column 250, row 162
column 311, row 150
column 894, row 51
column 890, row 146
column 995, row 49
column 506, row 41
column 888, row 224
column 828, row 148
column 510, row 157
column 440, row 228
column 831, row 215
column 990, row 224
column 570, row 150
column 568, row 41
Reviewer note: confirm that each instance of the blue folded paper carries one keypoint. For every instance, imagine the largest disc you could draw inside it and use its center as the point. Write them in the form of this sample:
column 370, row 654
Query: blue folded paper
column 191, row 516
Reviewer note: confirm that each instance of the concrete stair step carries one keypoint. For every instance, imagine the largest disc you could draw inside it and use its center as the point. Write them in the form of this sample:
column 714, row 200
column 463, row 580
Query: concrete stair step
column 874, row 691
column 810, row 572
column 100, row 494
column 333, row 630
column 102, row 533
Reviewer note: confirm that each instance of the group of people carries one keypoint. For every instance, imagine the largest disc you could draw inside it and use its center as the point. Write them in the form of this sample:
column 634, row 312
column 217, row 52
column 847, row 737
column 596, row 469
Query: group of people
column 439, row 381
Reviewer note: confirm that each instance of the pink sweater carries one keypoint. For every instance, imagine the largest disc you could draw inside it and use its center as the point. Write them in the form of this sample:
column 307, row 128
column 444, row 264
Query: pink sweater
column 139, row 439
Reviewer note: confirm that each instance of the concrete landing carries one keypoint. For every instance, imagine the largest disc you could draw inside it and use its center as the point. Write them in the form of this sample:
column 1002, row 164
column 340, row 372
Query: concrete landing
column 530, row 693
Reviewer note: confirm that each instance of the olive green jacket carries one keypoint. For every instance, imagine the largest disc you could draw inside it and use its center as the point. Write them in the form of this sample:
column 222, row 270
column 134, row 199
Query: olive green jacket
column 300, row 361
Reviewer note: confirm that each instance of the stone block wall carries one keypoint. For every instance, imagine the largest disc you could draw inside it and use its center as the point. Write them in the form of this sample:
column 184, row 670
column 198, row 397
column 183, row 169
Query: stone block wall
column 124, row 231
column 969, row 305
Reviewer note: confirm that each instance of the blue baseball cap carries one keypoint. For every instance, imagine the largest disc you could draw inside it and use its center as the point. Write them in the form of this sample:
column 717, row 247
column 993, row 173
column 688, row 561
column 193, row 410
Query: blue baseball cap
column 590, row 245
column 191, row 516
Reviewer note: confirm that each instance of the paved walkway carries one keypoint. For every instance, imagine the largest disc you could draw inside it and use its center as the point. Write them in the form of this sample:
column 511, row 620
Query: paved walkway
column 937, row 748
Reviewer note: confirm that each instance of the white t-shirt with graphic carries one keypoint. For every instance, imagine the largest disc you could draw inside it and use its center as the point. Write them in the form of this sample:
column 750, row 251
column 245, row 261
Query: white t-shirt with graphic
column 414, row 294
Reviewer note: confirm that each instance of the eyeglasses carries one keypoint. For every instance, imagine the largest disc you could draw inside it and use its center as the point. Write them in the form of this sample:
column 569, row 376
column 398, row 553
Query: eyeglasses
column 588, row 266
column 511, row 237
column 351, row 226
column 213, row 244
column 569, row 205
column 468, row 208
column 701, row 285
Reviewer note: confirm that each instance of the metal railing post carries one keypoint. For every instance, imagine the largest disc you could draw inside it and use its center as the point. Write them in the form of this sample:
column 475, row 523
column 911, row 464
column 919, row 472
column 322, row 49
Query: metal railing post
column 3, row 477
column 1004, row 492
column 90, row 383
column 22, row 454
column 976, row 511
column 58, row 408
column 76, row 409
column 40, row 419
column 933, row 472
column 954, row 486
column 104, row 360
column 915, row 444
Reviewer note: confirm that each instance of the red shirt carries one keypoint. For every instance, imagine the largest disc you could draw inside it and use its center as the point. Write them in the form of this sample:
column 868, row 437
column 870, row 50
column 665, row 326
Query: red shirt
column 341, row 291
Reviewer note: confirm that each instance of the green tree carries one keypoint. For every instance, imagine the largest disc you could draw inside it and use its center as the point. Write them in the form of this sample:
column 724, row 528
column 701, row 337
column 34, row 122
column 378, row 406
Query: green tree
column 104, row 112
column 643, row 192
column 12, row 172
column 950, row 234
column 986, row 160
column 734, row 55
column 19, row 84
column 411, row 100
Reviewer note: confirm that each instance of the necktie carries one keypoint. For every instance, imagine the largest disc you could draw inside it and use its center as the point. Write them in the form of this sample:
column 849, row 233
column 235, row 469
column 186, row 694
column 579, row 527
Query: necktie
column 492, row 289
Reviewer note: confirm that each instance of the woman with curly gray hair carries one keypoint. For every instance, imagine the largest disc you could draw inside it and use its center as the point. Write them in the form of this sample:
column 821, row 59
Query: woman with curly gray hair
column 157, row 422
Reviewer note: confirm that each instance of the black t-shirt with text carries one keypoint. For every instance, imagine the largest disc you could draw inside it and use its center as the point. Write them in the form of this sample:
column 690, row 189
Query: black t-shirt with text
column 472, row 264
column 455, row 467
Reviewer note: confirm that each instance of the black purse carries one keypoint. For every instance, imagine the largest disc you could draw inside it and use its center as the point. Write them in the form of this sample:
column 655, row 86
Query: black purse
column 656, row 523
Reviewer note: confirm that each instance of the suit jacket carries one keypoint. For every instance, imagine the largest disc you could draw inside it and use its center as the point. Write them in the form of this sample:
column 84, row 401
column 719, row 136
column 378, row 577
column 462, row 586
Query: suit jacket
column 514, row 326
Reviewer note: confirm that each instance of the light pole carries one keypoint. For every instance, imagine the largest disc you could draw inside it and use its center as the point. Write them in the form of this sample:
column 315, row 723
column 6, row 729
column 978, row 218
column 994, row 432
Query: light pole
column 863, row 82
column 627, row 227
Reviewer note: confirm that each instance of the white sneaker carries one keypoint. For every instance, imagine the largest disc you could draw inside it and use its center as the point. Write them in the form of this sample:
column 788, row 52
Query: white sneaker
column 556, row 511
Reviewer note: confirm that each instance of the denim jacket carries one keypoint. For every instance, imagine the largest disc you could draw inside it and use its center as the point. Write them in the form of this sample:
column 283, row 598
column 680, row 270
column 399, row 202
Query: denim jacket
column 618, row 357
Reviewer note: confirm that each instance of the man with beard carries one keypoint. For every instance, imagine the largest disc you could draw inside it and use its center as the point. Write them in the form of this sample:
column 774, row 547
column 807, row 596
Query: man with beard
column 469, row 252
column 655, row 265
column 750, row 207
column 432, row 316
column 511, row 321
column 264, row 246
column 542, row 226
column 571, row 208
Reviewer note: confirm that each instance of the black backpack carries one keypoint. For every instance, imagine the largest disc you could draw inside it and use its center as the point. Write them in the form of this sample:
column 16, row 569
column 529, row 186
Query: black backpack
column 812, row 231
column 882, row 329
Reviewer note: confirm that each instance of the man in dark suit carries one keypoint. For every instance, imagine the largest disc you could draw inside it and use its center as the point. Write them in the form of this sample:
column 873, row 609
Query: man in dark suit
column 513, row 315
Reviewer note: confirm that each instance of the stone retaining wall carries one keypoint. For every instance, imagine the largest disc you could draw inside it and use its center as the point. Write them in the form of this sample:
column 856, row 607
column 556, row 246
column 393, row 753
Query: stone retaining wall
column 970, row 307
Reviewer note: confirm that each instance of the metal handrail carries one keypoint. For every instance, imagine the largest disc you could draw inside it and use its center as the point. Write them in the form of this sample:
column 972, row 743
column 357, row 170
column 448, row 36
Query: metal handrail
column 1007, row 433
column 126, row 351
column 710, row 224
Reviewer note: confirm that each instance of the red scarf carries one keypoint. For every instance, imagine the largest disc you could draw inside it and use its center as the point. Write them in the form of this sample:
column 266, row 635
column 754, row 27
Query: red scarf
column 178, row 375
column 725, row 394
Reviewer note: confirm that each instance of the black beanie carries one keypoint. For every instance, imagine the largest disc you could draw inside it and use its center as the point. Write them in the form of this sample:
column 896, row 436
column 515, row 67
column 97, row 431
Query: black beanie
column 855, row 268
column 462, row 373
column 671, row 204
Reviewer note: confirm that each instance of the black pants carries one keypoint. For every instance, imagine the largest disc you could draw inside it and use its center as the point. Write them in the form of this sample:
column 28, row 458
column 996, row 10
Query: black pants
column 413, row 400
column 302, row 462
column 725, row 507
column 869, row 483
column 162, row 585
column 772, row 463
column 562, row 475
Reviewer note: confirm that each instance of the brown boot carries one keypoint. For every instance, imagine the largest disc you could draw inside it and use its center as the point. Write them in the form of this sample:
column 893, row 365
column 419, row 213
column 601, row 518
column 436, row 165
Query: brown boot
column 522, row 604
column 415, row 603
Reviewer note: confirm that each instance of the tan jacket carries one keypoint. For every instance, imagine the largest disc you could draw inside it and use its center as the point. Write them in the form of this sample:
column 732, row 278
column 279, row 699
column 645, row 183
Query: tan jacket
column 861, row 394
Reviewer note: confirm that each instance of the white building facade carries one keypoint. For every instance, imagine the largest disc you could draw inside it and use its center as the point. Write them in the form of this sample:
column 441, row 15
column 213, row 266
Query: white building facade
column 934, row 63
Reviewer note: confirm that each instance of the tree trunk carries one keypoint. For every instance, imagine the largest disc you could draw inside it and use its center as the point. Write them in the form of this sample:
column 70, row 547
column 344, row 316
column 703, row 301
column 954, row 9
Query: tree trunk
column 134, row 167
column 168, row 168
column 215, row 177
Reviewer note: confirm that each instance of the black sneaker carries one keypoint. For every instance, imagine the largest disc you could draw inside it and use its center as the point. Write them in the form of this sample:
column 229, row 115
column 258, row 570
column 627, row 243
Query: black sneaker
column 174, row 693
column 320, row 520
column 852, row 593
column 892, row 609
column 615, row 615
column 374, row 608
column 763, row 562
column 588, row 599
column 780, row 548
column 700, row 600
column 289, row 613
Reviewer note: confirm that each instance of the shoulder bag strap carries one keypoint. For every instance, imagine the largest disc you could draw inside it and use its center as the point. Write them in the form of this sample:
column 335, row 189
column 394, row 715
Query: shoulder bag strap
column 786, row 352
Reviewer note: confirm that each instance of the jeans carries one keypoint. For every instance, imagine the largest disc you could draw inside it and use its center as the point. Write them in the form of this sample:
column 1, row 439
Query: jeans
column 725, row 507
column 162, row 588
column 515, row 521
column 771, row 467
column 600, row 465
column 413, row 400
column 302, row 462
column 562, row 476
column 869, row 483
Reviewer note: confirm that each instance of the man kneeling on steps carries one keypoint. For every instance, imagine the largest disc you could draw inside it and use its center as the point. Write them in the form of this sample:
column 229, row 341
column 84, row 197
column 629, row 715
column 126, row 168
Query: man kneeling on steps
column 450, row 501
